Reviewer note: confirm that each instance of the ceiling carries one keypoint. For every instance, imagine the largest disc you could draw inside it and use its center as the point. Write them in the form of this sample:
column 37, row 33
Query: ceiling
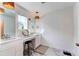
column 44, row 8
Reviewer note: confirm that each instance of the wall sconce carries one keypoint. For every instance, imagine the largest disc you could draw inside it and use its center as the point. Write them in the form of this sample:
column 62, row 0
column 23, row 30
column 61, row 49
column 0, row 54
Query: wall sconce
column 1, row 10
column 9, row 5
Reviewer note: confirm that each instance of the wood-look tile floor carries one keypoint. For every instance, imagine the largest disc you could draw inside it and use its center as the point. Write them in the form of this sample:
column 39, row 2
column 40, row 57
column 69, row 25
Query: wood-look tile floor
column 49, row 52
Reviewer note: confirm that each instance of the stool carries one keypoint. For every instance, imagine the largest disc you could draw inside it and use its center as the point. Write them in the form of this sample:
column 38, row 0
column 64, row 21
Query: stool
column 28, row 47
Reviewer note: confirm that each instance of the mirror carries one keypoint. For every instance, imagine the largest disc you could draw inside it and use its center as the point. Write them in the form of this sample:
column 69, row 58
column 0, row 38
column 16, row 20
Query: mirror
column 26, row 27
column 15, row 20
column 9, row 22
column 32, row 25
column 23, row 25
column 22, row 22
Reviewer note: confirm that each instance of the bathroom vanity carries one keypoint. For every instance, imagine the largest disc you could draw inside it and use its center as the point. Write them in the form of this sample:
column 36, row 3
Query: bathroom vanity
column 11, row 44
column 14, row 46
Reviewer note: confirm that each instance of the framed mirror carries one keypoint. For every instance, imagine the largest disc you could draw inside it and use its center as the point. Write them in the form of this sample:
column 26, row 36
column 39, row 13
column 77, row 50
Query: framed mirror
column 9, row 22
column 23, row 25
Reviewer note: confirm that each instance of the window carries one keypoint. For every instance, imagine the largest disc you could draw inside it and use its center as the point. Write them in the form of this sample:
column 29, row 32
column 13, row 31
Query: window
column 22, row 22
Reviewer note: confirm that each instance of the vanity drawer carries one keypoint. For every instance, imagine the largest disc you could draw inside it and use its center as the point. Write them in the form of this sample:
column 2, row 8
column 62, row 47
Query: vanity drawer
column 7, row 45
column 7, row 52
column 19, row 46
column 7, row 49
column 12, row 48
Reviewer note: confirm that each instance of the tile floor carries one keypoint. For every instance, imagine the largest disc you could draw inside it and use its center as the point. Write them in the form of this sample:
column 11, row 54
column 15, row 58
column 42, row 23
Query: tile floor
column 49, row 52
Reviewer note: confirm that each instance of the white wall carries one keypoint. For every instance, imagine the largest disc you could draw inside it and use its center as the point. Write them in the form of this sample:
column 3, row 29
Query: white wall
column 21, row 11
column 58, row 29
column 76, row 28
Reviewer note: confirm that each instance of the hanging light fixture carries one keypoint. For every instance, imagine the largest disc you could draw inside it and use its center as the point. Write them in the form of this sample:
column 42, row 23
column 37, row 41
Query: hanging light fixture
column 37, row 17
column 1, row 10
column 9, row 5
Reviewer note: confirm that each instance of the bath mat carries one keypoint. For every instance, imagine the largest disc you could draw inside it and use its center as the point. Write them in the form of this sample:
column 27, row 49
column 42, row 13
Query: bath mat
column 41, row 49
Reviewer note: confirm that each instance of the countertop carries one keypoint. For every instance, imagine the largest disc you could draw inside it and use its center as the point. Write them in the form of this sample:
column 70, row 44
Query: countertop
column 3, row 41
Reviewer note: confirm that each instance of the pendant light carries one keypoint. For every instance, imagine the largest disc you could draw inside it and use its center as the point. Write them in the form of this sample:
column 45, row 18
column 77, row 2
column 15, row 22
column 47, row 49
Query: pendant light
column 37, row 17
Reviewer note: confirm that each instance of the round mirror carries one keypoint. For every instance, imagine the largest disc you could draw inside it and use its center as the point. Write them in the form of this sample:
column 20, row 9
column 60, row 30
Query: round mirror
column 25, row 32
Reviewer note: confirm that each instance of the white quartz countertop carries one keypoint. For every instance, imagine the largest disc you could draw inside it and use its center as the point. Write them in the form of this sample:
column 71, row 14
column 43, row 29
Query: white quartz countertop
column 3, row 41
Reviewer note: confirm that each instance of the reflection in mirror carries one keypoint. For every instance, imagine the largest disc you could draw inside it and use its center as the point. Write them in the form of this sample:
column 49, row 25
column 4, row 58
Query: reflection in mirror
column 1, row 28
column 8, row 18
column 22, row 22
column 23, row 25
column 32, row 25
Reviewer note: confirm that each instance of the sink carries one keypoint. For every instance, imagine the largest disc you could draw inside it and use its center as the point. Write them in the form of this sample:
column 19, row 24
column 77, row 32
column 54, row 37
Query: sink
column 6, row 36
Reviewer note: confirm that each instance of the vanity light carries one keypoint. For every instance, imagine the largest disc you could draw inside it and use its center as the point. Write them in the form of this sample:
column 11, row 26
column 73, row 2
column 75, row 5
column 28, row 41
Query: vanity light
column 1, row 10
column 37, row 17
column 9, row 5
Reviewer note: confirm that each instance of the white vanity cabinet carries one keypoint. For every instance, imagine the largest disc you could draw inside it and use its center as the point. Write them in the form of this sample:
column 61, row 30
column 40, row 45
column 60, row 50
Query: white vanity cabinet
column 19, row 48
column 37, row 40
column 13, row 48
column 7, row 52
